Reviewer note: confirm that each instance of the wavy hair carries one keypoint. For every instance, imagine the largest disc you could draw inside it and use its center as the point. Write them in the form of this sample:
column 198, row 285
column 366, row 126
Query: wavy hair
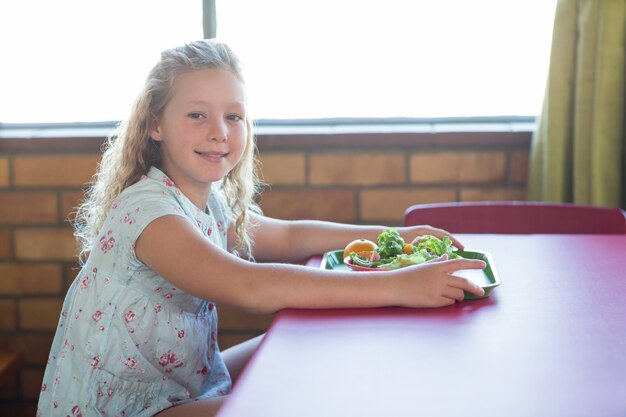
column 129, row 155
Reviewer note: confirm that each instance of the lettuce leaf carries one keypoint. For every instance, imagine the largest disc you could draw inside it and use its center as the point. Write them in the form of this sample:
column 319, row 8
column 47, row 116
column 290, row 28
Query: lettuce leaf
column 400, row 261
column 425, row 248
column 435, row 246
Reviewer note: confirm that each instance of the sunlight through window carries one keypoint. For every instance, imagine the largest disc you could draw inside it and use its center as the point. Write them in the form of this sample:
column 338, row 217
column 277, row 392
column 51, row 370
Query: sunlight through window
column 395, row 58
column 76, row 60
column 84, row 61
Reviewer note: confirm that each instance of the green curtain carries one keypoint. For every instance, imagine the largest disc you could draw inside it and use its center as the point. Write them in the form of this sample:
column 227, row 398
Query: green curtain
column 578, row 150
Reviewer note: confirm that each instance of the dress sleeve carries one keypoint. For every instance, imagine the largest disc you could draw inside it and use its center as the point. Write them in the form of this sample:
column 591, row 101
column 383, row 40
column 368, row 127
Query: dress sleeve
column 133, row 215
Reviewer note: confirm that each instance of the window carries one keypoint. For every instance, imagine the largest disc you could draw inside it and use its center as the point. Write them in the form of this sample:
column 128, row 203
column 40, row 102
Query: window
column 84, row 60
column 391, row 58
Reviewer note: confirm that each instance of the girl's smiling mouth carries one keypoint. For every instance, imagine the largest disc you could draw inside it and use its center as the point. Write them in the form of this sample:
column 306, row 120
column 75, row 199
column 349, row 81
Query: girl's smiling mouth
column 212, row 155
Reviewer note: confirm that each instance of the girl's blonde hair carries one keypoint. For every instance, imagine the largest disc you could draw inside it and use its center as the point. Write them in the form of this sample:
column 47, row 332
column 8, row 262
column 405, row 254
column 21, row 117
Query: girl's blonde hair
column 130, row 154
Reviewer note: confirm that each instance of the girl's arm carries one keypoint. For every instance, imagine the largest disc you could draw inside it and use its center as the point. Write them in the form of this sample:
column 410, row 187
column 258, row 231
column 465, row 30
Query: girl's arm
column 176, row 250
column 296, row 240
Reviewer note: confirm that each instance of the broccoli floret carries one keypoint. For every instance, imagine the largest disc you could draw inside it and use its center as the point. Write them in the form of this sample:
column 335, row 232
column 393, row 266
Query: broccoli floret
column 390, row 243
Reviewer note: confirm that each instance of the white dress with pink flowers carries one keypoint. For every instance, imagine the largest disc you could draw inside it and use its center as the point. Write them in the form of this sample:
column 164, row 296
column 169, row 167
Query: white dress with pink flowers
column 129, row 343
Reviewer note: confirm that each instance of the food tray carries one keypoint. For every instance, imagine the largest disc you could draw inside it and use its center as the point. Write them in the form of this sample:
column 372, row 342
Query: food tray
column 487, row 278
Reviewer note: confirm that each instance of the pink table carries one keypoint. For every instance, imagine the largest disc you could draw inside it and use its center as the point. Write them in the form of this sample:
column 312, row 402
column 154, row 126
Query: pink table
column 550, row 341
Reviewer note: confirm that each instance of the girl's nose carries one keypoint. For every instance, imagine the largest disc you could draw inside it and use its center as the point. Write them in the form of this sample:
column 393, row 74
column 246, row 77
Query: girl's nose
column 218, row 132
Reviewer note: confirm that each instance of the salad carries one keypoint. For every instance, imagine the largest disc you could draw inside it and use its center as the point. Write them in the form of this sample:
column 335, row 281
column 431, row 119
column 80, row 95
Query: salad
column 392, row 252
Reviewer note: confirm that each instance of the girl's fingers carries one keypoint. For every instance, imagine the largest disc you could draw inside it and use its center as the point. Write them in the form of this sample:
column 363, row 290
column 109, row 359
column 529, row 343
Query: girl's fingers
column 455, row 294
column 457, row 264
column 449, row 301
column 464, row 284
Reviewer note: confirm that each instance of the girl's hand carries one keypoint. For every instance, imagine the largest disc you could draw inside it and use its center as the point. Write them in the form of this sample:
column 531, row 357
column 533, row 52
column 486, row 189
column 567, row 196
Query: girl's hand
column 411, row 232
column 432, row 284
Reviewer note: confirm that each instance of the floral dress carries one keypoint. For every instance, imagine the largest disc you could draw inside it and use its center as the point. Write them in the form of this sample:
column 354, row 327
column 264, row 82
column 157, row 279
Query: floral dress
column 129, row 343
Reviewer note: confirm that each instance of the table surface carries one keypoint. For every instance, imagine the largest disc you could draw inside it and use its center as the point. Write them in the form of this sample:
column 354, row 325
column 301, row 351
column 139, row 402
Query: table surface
column 550, row 341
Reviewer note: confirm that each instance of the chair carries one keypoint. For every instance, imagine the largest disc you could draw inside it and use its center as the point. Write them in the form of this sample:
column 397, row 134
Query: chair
column 518, row 217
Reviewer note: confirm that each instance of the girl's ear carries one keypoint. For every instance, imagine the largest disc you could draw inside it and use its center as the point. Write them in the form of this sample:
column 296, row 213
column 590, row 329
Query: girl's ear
column 155, row 128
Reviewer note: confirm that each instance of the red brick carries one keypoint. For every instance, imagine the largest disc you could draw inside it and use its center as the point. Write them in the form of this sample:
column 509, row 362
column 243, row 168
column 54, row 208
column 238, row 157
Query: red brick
column 6, row 244
column 333, row 205
column 69, row 203
column 493, row 194
column 70, row 271
column 357, row 169
column 64, row 170
column 45, row 244
column 388, row 205
column 4, row 172
column 519, row 167
column 18, row 279
column 282, row 168
column 458, row 167
column 24, row 207
column 8, row 319
column 40, row 313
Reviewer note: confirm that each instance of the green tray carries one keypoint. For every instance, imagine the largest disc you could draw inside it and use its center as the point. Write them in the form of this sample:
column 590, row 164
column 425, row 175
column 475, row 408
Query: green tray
column 487, row 278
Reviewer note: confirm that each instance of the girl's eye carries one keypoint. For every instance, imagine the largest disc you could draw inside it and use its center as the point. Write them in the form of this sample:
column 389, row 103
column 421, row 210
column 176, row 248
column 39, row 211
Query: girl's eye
column 195, row 115
column 234, row 117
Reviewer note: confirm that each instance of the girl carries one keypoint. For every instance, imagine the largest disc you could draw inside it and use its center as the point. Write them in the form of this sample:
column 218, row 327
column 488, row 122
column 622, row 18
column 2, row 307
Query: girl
column 168, row 224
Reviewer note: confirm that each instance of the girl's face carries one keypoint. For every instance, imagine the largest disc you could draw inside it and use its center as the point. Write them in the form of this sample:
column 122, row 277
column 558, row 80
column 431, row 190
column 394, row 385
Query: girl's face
column 202, row 131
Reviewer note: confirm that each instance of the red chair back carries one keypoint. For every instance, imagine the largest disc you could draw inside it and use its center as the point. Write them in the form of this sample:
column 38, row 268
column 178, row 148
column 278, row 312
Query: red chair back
column 518, row 217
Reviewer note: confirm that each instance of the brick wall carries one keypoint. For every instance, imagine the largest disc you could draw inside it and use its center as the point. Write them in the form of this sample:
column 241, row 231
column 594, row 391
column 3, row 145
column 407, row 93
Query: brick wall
column 374, row 178
column 347, row 178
